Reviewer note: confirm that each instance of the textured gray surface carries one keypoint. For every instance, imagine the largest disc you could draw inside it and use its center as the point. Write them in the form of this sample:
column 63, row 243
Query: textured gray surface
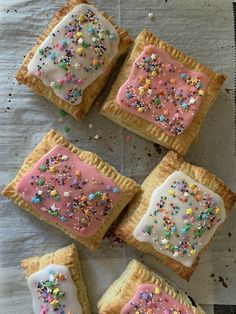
column 204, row 30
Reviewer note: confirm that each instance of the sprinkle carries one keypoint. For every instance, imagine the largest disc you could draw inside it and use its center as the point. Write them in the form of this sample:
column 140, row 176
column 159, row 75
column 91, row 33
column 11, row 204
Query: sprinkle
column 199, row 85
column 171, row 192
column 85, row 45
column 64, row 157
column 185, row 105
column 38, row 73
column 76, row 93
column 154, row 73
column 112, row 36
column 161, row 118
column 70, row 34
column 66, row 129
column 189, row 211
column 153, row 56
column 79, row 34
column 95, row 62
column 192, row 101
column 157, row 101
column 150, row 15
column 52, row 55
column 53, row 207
column 62, row 113
column 129, row 138
column 62, row 218
column 40, row 182
column 164, row 241
column 141, row 90
column 67, row 194
column 52, row 169
column 42, row 168
column 80, row 50
column 41, row 51
column 55, row 291
column 115, row 190
column 148, row 229
column 80, row 41
column 82, row 18
column 183, row 75
column 185, row 229
column 63, row 65
column 64, row 43
column 77, row 65
column 55, row 85
column 91, row 196
column 96, row 137
column 90, row 30
column 217, row 210
column 35, row 200
column 90, row 125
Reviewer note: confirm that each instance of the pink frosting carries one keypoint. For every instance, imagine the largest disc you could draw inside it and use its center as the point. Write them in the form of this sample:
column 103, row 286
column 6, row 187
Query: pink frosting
column 151, row 299
column 69, row 191
column 162, row 91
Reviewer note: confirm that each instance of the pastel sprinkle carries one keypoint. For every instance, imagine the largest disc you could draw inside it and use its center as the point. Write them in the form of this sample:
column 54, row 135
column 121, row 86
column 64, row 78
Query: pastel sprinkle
column 179, row 218
column 71, row 191
column 162, row 91
column 50, row 293
column 83, row 41
column 152, row 299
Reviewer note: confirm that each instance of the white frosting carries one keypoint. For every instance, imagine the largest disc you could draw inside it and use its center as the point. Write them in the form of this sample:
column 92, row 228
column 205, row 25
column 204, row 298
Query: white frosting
column 69, row 302
column 165, row 226
column 79, row 33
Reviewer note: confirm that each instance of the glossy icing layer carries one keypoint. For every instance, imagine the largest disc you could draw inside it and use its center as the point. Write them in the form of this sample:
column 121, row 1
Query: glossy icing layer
column 68, row 191
column 151, row 299
column 162, row 91
column 53, row 291
column 181, row 218
column 76, row 53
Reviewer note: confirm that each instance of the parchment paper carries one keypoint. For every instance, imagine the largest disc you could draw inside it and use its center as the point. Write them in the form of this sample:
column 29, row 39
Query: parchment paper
column 204, row 30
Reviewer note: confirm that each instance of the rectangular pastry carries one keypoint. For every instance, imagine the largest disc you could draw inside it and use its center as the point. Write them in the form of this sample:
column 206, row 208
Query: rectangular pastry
column 72, row 59
column 56, row 283
column 71, row 189
column 139, row 290
column 176, row 213
column 162, row 94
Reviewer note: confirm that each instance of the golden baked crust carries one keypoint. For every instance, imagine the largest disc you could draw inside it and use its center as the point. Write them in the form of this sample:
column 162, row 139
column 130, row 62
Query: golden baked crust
column 138, row 125
column 127, row 186
column 123, row 289
column 138, row 206
column 67, row 256
column 92, row 91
